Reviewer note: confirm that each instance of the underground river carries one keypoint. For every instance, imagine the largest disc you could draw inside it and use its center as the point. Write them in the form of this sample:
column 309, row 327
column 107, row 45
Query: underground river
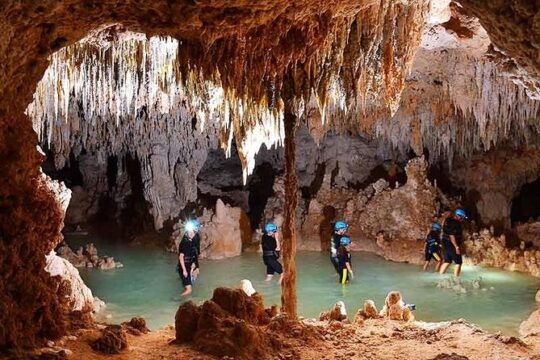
column 148, row 286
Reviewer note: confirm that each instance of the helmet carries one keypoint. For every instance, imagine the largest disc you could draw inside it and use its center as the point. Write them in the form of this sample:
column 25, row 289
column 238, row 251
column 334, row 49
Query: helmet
column 192, row 225
column 270, row 228
column 461, row 213
column 436, row 226
column 345, row 240
column 340, row 225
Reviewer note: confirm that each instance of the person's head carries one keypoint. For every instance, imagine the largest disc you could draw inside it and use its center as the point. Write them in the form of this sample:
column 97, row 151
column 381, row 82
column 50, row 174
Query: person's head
column 270, row 229
column 340, row 227
column 345, row 241
column 436, row 227
column 460, row 214
column 192, row 227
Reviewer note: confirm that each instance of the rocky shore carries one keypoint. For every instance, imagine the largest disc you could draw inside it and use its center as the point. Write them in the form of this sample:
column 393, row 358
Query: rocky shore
column 234, row 325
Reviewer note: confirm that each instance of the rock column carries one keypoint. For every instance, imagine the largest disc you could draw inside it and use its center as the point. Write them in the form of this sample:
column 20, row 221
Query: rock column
column 288, row 286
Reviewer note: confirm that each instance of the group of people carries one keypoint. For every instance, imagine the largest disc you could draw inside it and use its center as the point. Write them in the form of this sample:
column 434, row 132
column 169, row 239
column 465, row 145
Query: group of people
column 450, row 249
column 445, row 249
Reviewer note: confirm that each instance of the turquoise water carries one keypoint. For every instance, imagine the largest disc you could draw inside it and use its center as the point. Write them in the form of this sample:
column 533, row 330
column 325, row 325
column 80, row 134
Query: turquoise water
column 149, row 286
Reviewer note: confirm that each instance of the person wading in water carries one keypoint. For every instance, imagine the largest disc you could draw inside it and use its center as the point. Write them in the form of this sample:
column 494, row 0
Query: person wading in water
column 187, row 258
column 453, row 241
column 271, row 247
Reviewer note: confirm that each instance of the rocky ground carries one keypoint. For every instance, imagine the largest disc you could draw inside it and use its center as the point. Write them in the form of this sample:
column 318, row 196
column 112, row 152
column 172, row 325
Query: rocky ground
column 376, row 339
column 235, row 325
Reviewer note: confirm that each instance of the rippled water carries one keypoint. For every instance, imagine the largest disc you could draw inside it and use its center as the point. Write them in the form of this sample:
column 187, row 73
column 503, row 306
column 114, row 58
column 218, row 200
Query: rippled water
column 149, row 286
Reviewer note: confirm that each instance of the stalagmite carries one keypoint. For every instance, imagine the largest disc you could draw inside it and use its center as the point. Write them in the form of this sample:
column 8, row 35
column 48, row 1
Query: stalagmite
column 288, row 295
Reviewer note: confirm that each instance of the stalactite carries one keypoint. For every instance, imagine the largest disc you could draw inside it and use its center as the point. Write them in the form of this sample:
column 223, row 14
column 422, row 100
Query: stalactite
column 460, row 112
column 347, row 60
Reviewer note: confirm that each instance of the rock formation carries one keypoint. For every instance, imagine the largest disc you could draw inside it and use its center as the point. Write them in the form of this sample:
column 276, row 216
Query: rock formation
column 529, row 233
column 496, row 177
column 337, row 313
column 404, row 213
column 486, row 249
column 223, row 233
column 395, row 308
column 113, row 340
column 87, row 257
column 531, row 326
column 79, row 296
column 233, row 324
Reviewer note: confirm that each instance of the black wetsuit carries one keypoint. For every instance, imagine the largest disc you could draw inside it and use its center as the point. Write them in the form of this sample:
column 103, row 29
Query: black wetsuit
column 343, row 257
column 270, row 255
column 196, row 241
column 452, row 227
column 187, row 248
column 335, row 243
column 433, row 245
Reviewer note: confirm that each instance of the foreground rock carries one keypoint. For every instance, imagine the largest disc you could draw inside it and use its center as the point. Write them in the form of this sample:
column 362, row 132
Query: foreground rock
column 112, row 341
column 78, row 295
column 531, row 326
column 237, row 325
column 381, row 339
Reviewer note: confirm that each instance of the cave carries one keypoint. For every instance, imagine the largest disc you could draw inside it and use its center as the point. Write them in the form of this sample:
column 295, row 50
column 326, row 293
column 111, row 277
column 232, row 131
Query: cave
column 125, row 128
column 526, row 205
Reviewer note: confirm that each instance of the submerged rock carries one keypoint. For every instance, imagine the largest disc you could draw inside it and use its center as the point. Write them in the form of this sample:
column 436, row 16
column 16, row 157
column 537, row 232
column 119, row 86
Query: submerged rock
column 461, row 286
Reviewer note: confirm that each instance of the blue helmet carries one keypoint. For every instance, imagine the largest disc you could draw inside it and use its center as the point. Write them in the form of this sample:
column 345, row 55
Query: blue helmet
column 436, row 226
column 192, row 225
column 270, row 228
column 340, row 225
column 461, row 213
column 345, row 240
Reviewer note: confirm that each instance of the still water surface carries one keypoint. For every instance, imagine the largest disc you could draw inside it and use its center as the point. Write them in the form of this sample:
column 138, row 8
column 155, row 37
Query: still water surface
column 149, row 286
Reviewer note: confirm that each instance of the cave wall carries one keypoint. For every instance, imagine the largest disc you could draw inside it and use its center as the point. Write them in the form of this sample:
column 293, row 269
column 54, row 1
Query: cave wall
column 496, row 177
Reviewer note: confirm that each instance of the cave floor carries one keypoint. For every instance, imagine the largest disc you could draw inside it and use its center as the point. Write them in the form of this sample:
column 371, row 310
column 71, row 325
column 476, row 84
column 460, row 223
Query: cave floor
column 375, row 339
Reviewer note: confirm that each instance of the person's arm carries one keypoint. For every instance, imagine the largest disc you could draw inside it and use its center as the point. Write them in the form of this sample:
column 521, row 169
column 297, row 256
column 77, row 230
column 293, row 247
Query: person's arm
column 278, row 242
column 454, row 242
column 182, row 264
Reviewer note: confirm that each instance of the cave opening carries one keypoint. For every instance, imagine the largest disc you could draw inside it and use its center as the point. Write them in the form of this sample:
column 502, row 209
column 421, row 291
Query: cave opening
column 526, row 205
column 326, row 227
column 260, row 190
